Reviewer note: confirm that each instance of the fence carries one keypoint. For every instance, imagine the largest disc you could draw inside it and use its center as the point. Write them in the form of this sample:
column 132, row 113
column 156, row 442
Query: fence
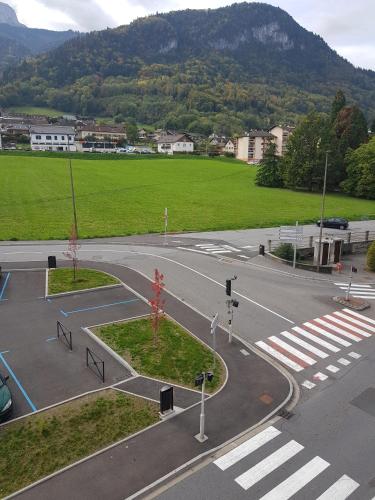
column 95, row 363
column 348, row 237
column 65, row 335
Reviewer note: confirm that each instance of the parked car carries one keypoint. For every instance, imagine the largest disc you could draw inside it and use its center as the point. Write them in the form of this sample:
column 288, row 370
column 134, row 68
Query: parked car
column 335, row 223
column 6, row 402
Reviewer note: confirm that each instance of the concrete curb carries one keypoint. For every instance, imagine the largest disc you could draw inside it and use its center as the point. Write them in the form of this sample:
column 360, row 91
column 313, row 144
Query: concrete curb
column 85, row 290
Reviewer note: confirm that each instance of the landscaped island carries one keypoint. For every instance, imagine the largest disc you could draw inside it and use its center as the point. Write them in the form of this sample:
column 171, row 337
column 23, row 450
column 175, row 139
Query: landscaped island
column 120, row 197
column 62, row 280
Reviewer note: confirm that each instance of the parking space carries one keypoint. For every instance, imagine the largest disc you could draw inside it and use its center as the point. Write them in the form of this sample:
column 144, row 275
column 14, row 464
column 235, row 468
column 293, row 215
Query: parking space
column 42, row 369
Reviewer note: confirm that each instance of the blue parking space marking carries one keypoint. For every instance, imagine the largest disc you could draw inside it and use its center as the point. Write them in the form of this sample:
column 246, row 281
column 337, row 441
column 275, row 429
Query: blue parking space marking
column 2, row 291
column 51, row 339
column 93, row 308
column 19, row 385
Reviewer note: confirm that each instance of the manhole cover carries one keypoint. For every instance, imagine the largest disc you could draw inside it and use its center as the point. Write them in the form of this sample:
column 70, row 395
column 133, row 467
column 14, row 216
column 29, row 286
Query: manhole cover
column 266, row 399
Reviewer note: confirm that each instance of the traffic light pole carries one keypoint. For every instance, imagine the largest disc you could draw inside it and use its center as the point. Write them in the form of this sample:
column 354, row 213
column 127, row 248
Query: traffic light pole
column 231, row 324
column 202, row 437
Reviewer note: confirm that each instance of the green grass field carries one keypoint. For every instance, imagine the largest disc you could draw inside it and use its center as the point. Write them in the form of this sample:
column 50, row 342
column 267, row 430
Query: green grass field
column 121, row 197
column 32, row 110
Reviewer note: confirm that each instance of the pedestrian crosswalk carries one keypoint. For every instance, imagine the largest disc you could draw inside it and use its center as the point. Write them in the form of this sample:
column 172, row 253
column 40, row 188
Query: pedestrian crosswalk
column 221, row 249
column 312, row 343
column 358, row 290
column 297, row 470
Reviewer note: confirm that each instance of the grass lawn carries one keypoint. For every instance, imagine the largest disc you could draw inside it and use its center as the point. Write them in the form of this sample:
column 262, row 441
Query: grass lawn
column 177, row 356
column 34, row 110
column 128, row 196
column 40, row 444
column 61, row 280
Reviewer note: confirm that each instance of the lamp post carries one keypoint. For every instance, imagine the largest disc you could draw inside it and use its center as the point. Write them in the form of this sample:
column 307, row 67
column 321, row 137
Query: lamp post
column 201, row 381
column 322, row 212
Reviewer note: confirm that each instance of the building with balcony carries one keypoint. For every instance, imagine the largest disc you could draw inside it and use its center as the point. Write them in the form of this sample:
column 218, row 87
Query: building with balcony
column 52, row 138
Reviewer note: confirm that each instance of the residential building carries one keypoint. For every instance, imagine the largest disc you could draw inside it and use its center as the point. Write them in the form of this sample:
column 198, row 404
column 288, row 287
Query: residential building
column 230, row 147
column 102, row 133
column 52, row 138
column 251, row 147
column 282, row 134
column 176, row 143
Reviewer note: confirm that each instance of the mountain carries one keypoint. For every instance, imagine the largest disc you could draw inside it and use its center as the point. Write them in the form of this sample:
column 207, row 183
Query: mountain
column 17, row 41
column 246, row 65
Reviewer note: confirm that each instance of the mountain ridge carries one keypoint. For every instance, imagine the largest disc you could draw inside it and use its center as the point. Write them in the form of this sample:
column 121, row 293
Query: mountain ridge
column 249, row 60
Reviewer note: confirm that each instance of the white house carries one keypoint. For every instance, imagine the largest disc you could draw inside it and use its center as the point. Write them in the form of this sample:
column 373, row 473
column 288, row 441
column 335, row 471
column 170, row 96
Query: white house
column 177, row 143
column 52, row 138
column 282, row 134
column 251, row 147
column 229, row 147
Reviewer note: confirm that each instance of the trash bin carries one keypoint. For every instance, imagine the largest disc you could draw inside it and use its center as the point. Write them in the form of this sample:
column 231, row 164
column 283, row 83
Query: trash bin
column 261, row 249
column 52, row 262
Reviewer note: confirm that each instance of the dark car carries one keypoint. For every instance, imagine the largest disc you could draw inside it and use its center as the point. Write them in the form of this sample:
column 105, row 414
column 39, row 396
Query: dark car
column 6, row 402
column 335, row 223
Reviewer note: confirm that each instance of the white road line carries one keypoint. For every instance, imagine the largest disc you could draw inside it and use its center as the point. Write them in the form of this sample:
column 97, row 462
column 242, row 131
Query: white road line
column 354, row 328
column 320, row 376
column 360, row 316
column 292, row 350
column 355, row 321
column 250, row 246
column 298, row 480
column 355, row 355
column 231, row 248
column 328, row 335
column 358, row 290
column 279, row 356
column 354, row 284
column 269, row 464
column 332, row 368
column 368, row 297
column 336, row 328
column 343, row 361
column 244, row 256
column 316, row 339
column 305, row 345
column 244, row 352
column 221, row 251
column 244, row 449
column 193, row 250
column 206, row 245
column 308, row 384
column 340, row 490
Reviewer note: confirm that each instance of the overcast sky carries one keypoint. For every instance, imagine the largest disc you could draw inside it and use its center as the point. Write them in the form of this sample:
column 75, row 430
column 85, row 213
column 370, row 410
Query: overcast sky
column 347, row 26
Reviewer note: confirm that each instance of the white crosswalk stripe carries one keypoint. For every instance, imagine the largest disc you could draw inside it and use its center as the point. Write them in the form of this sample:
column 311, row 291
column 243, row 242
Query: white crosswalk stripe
column 336, row 329
column 358, row 290
column 305, row 345
column 355, row 321
column 298, row 480
column 269, row 464
column 359, row 316
column 244, row 449
column 327, row 334
column 217, row 248
column 354, row 328
column 316, row 339
column 292, row 350
column 340, row 490
column 278, row 355
column 280, row 456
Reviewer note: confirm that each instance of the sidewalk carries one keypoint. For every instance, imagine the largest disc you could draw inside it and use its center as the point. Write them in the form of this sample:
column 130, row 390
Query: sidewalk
column 253, row 391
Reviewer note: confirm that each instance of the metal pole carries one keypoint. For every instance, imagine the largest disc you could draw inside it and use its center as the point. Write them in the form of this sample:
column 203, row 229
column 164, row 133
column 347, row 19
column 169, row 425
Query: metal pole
column 350, row 284
column 322, row 212
column 231, row 325
column 165, row 225
column 295, row 247
column 214, row 346
column 202, row 437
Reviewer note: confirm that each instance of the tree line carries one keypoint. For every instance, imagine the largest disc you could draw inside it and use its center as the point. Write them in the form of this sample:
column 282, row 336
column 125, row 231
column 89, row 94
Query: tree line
column 341, row 138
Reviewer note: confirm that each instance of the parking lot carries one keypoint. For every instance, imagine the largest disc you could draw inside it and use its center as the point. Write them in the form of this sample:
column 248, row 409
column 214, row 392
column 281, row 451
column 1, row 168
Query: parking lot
column 42, row 370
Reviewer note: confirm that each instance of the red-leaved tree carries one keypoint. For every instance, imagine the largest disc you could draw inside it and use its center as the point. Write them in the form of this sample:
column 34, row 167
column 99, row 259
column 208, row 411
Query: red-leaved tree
column 72, row 252
column 157, row 303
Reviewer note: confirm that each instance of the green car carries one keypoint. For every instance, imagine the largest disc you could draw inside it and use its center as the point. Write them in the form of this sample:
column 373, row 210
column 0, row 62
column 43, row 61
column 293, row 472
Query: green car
column 6, row 402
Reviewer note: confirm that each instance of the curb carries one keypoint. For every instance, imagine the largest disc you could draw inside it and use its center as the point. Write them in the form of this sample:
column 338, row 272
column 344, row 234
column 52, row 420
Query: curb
column 78, row 292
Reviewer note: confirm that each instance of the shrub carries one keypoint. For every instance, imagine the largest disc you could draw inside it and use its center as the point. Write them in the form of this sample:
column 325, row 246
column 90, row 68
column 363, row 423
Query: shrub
column 285, row 251
column 371, row 257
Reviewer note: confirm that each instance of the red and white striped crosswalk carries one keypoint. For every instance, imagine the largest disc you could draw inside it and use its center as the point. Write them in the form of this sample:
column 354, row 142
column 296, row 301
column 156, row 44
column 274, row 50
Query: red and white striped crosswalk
column 316, row 340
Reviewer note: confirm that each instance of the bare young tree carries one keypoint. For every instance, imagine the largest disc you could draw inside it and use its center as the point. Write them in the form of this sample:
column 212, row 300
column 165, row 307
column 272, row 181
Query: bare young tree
column 72, row 252
column 157, row 303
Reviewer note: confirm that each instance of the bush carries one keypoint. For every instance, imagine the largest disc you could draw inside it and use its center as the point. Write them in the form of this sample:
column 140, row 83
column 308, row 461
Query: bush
column 371, row 257
column 285, row 251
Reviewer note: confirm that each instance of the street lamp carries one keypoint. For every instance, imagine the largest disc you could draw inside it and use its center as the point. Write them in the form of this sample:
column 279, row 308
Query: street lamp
column 200, row 380
column 322, row 212
column 231, row 303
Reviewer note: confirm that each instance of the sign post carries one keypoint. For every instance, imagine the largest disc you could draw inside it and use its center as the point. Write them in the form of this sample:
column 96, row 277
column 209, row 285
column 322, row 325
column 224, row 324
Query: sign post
column 291, row 234
column 214, row 324
column 165, row 225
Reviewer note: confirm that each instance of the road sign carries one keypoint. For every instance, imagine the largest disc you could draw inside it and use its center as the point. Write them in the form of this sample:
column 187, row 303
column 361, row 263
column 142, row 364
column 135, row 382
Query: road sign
column 291, row 233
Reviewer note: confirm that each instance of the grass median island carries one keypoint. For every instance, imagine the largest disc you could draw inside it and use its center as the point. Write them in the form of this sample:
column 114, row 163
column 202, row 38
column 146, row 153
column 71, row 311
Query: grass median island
column 40, row 444
column 177, row 356
column 62, row 280
column 129, row 195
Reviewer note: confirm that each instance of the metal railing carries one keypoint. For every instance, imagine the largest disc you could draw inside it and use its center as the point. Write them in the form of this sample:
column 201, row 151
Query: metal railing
column 64, row 334
column 95, row 363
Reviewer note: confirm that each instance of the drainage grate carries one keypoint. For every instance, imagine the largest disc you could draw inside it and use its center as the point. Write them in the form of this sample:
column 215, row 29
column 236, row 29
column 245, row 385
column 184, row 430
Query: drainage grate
column 285, row 414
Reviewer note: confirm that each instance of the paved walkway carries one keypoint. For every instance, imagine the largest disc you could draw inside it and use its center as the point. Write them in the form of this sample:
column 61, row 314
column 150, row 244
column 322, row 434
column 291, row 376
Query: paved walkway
column 254, row 389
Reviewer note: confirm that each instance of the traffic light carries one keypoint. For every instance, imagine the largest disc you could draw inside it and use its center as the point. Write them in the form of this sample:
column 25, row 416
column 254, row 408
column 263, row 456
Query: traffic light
column 354, row 269
column 209, row 376
column 229, row 287
column 235, row 303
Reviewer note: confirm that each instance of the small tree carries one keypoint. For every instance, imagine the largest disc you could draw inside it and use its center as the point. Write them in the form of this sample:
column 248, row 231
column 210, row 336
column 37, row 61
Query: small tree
column 72, row 252
column 371, row 257
column 157, row 303
column 269, row 171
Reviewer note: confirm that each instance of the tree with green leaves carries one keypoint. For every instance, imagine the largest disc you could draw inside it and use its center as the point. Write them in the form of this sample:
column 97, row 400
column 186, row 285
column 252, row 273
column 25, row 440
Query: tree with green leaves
column 371, row 257
column 361, row 171
column 338, row 103
column 131, row 132
column 269, row 172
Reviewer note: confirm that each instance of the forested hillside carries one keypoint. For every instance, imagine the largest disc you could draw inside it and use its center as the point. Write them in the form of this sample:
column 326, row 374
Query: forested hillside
column 226, row 69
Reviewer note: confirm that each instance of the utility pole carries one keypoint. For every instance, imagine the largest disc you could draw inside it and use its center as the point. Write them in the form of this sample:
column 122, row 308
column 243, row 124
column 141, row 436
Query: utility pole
column 322, row 212
column 73, row 193
column 230, row 304
column 201, row 381
column 214, row 324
